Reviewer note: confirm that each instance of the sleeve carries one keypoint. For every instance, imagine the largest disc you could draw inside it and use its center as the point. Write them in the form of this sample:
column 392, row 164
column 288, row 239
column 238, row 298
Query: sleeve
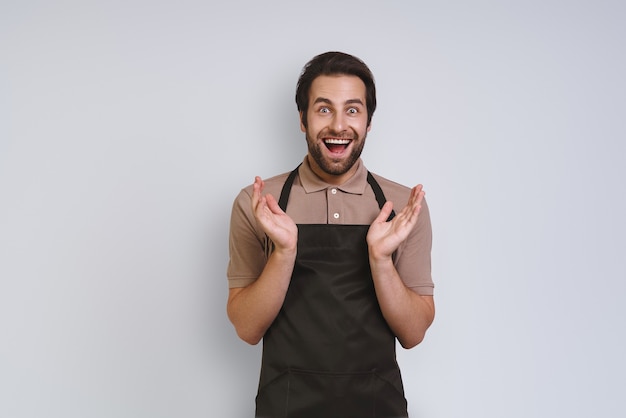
column 413, row 259
column 245, row 244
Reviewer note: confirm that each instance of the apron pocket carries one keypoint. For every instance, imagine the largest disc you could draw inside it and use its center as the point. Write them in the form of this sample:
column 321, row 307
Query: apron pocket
column 310, row 394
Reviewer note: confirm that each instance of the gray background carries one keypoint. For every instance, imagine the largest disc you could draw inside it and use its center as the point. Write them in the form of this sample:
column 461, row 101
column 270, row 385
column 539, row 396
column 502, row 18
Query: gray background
column 128, row 127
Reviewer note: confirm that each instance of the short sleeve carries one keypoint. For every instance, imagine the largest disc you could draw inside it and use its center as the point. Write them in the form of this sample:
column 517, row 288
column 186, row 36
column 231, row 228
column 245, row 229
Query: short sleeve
column 245, row 244
column 413, row 261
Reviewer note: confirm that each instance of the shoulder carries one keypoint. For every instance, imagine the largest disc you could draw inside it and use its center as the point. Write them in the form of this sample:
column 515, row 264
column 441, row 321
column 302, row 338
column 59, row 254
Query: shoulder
column 390, row 184
column 395, row 192
column 399, row 194
column 273, row 186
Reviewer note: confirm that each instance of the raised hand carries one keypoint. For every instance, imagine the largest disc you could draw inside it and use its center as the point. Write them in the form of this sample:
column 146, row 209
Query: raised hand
column 278, row 226
column 383, row 238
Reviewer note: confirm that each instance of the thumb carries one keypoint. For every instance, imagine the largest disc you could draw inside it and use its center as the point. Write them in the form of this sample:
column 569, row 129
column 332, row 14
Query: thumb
column 384, row 212
column 272, row 204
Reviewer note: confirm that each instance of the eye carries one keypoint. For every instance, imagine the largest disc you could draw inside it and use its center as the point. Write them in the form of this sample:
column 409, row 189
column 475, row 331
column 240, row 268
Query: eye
column 324, row 110
column 353, row 110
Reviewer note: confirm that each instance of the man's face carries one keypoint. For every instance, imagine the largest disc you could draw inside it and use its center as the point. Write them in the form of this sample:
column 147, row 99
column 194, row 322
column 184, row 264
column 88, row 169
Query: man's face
column 337, row 126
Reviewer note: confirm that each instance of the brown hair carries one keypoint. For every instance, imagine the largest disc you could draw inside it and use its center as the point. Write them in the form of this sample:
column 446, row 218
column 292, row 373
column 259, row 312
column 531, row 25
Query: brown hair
column 334, row 63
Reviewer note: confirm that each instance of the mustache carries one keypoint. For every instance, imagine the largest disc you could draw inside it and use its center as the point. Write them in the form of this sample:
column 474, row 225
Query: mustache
column 346, row 134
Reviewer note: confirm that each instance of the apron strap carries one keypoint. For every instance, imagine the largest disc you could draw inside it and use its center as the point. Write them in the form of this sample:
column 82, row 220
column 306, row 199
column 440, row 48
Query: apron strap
column 380, row 196
column 284, row 193
column 378, row 192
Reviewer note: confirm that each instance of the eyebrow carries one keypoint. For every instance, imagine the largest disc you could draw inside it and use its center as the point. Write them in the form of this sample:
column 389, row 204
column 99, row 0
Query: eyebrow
column 328, row 101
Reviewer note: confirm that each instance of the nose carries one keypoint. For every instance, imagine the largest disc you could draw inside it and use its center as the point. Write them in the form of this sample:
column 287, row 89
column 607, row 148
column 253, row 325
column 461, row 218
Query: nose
column 338, row 124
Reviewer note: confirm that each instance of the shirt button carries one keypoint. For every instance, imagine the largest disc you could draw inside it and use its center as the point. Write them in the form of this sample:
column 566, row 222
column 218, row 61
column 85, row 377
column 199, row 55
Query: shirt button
column 333, row 191
column 336, row 215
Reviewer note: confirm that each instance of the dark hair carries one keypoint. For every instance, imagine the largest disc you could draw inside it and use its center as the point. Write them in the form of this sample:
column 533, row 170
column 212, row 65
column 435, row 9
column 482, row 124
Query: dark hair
column 334, row 63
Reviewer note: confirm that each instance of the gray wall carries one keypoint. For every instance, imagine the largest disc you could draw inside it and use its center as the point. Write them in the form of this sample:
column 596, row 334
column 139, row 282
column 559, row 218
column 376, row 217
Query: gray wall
column 128, row 127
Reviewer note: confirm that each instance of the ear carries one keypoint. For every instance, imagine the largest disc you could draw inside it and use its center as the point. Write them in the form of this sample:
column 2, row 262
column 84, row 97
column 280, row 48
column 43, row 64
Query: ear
column 369, row 127
column 302, row 127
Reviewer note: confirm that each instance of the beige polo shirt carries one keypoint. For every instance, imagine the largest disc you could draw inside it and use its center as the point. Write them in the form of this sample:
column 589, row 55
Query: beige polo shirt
column 313, row 201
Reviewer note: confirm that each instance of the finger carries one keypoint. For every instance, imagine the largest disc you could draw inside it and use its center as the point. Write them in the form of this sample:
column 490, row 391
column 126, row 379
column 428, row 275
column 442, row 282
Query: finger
column 257, row 189
column 259, row 184
column 416, row 195
column 420, row 194
column 408, row 214
column 415, row 203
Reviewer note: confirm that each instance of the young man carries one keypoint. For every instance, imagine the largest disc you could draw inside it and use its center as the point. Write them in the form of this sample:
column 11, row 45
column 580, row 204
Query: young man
column 329, row 275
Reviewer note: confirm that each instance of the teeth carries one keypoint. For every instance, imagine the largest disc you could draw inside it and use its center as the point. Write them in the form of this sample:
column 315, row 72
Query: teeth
column 337, row 141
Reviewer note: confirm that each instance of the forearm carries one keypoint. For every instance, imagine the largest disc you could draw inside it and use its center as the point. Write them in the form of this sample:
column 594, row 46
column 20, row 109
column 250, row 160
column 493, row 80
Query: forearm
column 408, row 314
column 252, row 309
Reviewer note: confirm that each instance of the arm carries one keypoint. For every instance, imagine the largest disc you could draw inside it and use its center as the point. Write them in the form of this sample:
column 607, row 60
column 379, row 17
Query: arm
column 408, row 314
column 252, row 309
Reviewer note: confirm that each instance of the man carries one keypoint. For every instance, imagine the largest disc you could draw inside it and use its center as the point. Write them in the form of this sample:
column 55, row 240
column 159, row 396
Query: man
column 329, row 275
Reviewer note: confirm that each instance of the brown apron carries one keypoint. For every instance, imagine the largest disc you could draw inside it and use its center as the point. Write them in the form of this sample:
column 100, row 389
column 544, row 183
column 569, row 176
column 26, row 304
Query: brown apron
column 330, row 353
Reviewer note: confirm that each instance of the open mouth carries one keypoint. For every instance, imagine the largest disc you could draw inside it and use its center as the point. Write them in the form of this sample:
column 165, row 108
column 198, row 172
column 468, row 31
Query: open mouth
column 336, row 145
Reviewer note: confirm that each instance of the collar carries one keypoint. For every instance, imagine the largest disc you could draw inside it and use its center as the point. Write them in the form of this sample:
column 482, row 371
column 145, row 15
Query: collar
column 312, row 183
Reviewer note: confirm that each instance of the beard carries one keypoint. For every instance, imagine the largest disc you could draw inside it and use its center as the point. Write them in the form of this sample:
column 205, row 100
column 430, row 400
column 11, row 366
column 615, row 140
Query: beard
column 335, row 166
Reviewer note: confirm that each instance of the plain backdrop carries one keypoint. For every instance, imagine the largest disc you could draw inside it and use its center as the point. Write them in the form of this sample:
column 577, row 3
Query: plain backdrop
column 128, row 127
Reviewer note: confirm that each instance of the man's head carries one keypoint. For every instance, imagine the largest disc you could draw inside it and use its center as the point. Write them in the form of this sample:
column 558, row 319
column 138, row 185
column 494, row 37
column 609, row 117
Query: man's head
column 336, row 99
column 334, row 63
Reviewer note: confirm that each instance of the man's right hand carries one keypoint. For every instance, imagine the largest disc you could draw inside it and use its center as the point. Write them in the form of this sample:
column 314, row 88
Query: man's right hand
column 252, row 309
column 278, row 226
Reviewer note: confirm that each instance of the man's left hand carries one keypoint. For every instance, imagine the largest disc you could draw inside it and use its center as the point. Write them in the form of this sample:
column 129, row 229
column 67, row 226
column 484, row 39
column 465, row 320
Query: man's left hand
column 383, row 237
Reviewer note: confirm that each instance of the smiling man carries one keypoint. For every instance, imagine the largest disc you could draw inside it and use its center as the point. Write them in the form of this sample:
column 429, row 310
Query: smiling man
column 329, row 276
